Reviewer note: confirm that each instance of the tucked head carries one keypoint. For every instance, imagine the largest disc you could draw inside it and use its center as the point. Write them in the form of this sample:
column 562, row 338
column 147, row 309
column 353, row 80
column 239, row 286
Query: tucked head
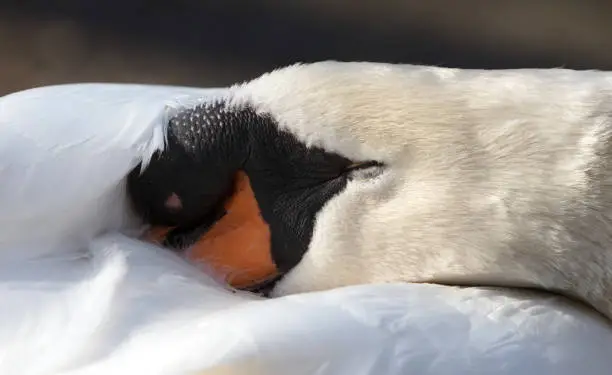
column 368, row 173
column 193, row 187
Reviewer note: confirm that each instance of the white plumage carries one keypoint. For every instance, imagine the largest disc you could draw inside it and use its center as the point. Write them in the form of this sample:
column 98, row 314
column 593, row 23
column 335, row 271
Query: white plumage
column 81, row 297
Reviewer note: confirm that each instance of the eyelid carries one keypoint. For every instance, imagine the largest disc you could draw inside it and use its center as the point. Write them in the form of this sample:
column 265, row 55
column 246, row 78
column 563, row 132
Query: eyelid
column 364, row 164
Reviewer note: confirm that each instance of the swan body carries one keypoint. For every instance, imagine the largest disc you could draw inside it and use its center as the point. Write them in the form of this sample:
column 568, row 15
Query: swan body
column 83, row 295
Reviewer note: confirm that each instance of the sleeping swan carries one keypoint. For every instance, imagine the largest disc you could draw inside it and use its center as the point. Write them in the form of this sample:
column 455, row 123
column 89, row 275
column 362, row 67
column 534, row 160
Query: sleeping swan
column 372, row 173
column 83, row 295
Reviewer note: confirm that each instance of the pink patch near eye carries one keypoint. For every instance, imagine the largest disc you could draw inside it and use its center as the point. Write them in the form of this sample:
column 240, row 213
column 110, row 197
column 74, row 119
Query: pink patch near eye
column 174, row 202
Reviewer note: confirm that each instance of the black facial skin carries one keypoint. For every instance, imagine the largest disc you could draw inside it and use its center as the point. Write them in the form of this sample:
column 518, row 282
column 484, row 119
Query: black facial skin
column 206, row 147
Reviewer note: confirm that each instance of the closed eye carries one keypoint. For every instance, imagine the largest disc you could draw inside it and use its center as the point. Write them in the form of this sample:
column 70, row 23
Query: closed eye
column 363, row 165
column 364, row 170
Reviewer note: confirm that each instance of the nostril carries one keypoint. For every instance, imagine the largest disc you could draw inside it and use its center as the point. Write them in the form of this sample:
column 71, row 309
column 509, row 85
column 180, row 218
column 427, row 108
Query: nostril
column 173, row 202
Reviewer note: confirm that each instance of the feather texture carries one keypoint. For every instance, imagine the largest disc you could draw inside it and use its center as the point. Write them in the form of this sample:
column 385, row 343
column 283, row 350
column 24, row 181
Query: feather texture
column 81, row 296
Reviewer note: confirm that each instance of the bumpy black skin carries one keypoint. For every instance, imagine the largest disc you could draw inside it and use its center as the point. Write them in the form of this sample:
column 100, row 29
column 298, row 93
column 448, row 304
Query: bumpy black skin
column 207, row 145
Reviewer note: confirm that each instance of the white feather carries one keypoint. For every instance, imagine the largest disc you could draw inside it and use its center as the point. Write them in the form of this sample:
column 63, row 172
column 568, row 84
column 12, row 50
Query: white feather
column 81, row 297
column 491, row 177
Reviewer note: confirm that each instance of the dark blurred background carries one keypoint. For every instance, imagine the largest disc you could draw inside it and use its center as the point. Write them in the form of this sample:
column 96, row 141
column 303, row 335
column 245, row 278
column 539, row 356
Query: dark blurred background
column 214, row 43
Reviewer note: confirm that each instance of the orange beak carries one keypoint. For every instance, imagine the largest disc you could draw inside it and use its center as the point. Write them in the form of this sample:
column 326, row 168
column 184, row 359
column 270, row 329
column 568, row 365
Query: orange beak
column 237, row 247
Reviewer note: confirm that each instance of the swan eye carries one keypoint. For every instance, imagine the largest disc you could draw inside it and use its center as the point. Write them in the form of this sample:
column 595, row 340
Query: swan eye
column 364, row 170
column 363, row 165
